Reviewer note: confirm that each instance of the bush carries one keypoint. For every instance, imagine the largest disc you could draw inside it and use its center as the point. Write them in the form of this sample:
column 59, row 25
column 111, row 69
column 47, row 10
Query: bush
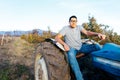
column 36, row 38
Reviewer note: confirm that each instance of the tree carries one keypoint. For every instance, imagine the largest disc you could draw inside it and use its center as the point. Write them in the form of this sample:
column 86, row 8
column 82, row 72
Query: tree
column 92, row 25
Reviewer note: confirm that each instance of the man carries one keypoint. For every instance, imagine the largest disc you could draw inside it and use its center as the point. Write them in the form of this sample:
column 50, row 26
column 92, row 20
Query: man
column 72, row 44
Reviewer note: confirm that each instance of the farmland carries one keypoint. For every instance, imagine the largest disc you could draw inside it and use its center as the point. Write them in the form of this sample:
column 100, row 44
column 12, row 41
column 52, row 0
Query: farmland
column 17, row 60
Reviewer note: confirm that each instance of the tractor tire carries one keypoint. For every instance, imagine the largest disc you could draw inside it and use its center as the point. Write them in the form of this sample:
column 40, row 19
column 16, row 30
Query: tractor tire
column 50, row 63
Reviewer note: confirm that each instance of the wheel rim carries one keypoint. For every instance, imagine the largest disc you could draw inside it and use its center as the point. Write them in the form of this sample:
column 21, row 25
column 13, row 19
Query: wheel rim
column 41, row 72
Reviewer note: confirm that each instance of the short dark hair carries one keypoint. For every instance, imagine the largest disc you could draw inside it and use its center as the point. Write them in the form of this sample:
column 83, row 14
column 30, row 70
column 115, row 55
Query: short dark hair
column 72, row 17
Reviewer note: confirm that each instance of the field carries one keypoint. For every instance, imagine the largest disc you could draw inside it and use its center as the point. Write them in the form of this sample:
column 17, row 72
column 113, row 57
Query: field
column 17, row 60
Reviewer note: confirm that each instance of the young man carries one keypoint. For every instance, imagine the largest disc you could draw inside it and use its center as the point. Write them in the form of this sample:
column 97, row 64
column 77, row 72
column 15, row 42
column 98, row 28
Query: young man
column 72, row 43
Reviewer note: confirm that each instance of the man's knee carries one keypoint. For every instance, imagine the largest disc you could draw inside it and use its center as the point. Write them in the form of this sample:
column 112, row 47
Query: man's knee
column 98, row 47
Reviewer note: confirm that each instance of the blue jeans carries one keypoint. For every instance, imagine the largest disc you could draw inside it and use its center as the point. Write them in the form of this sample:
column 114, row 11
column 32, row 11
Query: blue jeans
column 86, row 48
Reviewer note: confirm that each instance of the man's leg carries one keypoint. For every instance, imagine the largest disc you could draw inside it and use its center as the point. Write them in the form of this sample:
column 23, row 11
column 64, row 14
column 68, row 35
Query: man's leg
column 74, row 64
column 88, row 48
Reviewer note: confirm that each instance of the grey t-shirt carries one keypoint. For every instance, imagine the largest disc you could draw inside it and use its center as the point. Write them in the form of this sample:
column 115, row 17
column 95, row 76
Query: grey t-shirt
column 72, row 36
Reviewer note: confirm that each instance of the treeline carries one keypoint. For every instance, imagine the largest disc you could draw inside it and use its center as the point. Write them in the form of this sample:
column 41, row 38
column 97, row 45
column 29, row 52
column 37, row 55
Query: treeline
column 91, row 25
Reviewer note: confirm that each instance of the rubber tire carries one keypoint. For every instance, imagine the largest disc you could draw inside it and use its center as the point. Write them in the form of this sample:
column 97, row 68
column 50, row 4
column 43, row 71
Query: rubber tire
column 57, row 65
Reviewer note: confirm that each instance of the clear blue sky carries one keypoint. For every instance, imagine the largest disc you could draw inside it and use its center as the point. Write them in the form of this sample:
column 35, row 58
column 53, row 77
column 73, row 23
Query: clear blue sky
column 39, row 14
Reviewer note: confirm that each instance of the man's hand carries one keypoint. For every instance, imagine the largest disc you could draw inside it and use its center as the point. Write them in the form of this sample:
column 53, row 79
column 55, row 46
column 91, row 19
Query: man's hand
column 66, row 47
column 101, row 36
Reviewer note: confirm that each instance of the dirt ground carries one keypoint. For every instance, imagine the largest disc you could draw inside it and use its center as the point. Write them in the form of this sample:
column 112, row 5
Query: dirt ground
column 17, row 60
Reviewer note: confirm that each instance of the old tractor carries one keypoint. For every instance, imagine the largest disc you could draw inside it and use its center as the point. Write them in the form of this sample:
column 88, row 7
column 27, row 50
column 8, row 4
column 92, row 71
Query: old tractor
column 51, row 62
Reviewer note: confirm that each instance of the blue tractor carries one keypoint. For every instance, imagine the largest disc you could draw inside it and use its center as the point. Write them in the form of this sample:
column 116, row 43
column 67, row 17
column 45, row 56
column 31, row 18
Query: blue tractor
column 51, row 62
column 108, row 59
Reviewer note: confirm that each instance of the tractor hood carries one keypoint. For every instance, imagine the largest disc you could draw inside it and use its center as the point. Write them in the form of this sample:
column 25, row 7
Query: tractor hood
column 110, row 51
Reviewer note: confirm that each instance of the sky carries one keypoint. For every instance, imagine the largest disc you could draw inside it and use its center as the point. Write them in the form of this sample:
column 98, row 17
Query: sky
column 41, row 14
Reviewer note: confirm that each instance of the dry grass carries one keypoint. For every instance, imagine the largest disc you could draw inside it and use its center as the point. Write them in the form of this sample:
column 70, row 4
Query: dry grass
column 17, row 57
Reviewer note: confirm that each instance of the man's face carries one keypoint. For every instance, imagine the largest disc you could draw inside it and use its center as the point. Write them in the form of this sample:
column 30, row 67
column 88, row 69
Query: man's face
column 73, row 22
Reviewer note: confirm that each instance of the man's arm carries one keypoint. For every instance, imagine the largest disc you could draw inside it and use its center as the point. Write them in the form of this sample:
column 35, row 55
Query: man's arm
column 58, row 38
column 90, row 33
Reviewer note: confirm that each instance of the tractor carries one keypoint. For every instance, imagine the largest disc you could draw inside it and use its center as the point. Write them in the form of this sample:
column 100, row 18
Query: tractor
column 51, row 62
